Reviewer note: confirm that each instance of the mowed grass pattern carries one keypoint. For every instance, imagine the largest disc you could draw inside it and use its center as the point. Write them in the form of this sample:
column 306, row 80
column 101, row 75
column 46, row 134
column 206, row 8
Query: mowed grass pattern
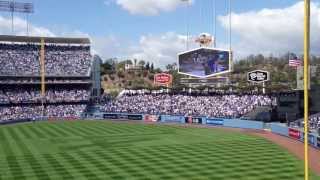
column 108, row 150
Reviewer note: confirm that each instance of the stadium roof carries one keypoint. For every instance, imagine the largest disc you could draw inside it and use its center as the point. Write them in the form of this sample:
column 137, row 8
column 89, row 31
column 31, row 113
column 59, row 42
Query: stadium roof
column 34, row 39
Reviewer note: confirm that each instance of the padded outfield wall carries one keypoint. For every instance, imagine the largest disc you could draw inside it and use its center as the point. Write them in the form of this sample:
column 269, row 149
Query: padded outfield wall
column 314, row 139
column 294, row 133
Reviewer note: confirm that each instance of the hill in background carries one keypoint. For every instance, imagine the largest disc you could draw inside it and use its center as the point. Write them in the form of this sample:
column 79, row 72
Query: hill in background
column 115, row 75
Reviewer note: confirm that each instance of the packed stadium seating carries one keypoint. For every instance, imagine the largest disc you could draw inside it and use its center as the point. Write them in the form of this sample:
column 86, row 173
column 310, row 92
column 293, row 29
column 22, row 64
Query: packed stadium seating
column 51, row 96
column 230, row 106
column 23, row 59
column 35, row 112
column 314, row 122
column 67, row 71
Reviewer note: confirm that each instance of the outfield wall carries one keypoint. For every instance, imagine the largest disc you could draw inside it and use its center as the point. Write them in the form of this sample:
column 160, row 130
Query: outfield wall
column 122, row 116
column 297, row 134
column 233, row 123
column 277, row 128
column 314, row 139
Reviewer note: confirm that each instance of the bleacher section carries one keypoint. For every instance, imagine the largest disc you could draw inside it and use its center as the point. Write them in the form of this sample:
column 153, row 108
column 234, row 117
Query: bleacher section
column 67, row 78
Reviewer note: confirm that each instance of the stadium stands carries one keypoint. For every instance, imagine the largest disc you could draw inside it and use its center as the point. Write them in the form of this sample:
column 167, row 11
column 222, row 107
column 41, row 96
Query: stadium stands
column 35, row 112
column 67, row 71
column 23, row 59
column 18, row 96
column 227, row 106
column 314, row 122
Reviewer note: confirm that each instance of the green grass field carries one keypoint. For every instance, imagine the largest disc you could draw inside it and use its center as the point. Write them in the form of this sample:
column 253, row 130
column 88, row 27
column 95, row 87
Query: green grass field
column 106, row 150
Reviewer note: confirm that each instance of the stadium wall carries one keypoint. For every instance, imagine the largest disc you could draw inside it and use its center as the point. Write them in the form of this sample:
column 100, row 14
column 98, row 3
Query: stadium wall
column 234, row 123
column 122, row 116
column 276, row 128
column 296, row 134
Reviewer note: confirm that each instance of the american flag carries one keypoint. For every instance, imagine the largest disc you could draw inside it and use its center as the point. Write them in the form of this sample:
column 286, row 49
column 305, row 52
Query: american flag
column 294, row 61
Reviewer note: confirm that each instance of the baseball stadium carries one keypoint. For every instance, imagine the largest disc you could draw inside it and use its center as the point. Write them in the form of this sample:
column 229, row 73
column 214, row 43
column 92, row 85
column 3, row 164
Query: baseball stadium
column 68, row 111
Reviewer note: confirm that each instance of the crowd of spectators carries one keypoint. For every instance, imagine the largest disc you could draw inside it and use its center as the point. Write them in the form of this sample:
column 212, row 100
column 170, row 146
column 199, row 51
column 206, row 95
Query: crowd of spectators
column 35, row 112
column 33, row 81
column 230, row 106
column 23, row 59
column 21, row 62
column 11, row 96
column 19, row 59
column 314, row 122
column 67, row 60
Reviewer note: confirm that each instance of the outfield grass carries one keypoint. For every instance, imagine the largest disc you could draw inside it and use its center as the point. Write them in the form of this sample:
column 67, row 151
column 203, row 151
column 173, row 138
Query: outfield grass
column 106, row 150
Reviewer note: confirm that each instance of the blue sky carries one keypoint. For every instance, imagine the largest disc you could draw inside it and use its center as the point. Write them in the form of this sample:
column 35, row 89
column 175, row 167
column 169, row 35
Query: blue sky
column 125, row 28
column 97, row 18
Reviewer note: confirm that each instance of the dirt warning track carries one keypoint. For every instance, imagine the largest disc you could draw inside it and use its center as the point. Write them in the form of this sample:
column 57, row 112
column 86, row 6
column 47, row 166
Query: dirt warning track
column 294, row 147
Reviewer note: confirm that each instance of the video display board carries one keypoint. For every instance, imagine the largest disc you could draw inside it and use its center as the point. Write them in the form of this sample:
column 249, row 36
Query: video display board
column 204, row 62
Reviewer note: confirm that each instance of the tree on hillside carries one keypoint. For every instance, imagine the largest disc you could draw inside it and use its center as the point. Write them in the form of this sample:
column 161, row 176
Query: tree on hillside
column 108, row 66
column 171, row 67
column 157, row 70
column 142, row 63
column 148, row 66
column 151, row 67
column 129, row 61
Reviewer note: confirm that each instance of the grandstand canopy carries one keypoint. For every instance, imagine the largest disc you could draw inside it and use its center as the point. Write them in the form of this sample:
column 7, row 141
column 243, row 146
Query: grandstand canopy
column 34, row 39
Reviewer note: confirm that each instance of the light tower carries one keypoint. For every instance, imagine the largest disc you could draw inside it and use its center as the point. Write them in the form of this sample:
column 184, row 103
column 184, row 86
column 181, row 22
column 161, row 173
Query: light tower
column 19, row 7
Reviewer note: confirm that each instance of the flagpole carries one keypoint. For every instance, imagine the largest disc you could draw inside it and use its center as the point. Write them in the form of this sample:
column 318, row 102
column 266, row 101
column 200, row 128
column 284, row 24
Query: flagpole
column 306, row 84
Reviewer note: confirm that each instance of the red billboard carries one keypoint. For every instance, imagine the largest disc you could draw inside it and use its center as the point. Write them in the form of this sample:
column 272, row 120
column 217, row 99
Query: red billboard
column 294, row 133
column 163, row 79
column 150, row 118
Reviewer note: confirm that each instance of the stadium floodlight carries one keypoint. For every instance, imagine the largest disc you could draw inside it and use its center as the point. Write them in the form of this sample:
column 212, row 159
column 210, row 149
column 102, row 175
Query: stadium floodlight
column 19, row 7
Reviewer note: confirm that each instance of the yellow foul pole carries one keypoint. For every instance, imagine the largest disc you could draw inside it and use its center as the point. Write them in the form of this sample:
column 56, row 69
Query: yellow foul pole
column 306, row 84
column 42, row 73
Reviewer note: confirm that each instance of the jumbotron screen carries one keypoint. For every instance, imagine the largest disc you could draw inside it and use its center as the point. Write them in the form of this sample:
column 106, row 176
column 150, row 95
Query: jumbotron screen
column 204, row 62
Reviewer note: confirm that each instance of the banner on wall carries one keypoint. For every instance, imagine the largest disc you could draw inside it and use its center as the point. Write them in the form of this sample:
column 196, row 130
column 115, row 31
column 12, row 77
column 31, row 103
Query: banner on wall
column 216, row 122
column 123, row 116
column 135, row 117
column 294, row 133
column 110, row 116
column 196, row 120
column 174, row 119
column 193, row 120
column 151, row 118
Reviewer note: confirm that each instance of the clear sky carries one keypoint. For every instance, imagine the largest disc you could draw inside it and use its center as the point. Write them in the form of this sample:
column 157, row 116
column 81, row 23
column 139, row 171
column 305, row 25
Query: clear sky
column 155, row 29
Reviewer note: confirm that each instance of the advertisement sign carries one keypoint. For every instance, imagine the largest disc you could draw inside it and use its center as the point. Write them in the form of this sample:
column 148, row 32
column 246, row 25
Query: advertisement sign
column 150, row 118
column 110, row 116
column 294, row 133
column 174, row 119
column 204, row 62
column 135, row 117
column 258, row 76
column 196, row 120
column 216, row 122
column 162, row 79
column 123, row 116
column 318, row 142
